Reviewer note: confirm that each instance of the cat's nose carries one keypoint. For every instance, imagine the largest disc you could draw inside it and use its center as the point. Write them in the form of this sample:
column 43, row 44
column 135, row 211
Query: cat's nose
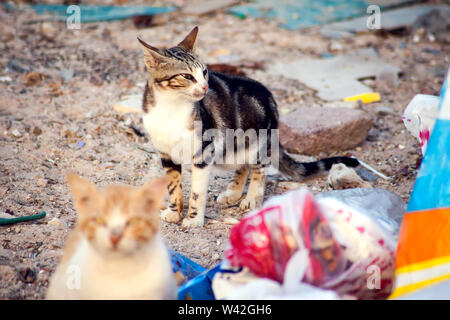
column 205, row 87
column 115, row 237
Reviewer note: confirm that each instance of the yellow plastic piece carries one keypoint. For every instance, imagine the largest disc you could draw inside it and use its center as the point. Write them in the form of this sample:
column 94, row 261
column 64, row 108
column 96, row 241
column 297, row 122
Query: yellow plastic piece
column 365, row 97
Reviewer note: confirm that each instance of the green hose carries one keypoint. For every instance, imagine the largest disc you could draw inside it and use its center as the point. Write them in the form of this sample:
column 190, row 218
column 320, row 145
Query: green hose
column 5, row 221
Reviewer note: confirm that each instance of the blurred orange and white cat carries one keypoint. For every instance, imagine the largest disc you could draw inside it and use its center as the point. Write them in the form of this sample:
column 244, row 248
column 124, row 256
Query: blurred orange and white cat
column 115, row 250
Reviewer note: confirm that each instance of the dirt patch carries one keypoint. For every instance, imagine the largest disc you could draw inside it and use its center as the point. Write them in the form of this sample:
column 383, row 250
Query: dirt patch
column 53, row 124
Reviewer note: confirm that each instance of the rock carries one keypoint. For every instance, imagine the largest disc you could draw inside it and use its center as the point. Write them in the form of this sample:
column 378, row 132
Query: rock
column 41, row 183
column 27, row 274
column 55, row 222
column 66, row 74
column 384, row 110
column 343, row 177
column 314, row 130
column 16, row 133
column 33, row 78
column 290, row 185
column 49, row 31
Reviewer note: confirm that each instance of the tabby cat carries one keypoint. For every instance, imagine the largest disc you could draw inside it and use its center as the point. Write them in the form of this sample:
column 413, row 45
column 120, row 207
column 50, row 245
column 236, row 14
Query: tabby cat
column 115, row 250
column 180, row 94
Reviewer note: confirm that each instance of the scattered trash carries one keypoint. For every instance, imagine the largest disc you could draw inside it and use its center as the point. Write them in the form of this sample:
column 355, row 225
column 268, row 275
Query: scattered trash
column 420, row 116
column 365, row 97
column 80, row 144
column 4, row 221
column 96, row 13
column 342, row 177
column 391, row 20
column 5, row 79
column 336, row 78
column 386, row 207
column 336, row 246
column 422, row 258
column 295, row 15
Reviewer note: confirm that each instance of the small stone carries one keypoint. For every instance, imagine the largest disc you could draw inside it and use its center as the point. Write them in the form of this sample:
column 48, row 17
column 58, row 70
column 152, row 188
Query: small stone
column 49, row 31
column 230, row 220
column 383, row 110
column 204, row 251
column 37, row 131
column 16, row 133
column 343, row 177
column 290, row 185
column 41, row 183
column 33, row 78
column 55, row 222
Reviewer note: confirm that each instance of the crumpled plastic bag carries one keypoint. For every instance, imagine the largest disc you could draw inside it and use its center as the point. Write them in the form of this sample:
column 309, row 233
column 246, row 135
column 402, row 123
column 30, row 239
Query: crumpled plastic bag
column 348, row 251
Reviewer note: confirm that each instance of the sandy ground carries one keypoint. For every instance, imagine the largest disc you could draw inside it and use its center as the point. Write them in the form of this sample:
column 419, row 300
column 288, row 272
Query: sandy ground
column 42, row 123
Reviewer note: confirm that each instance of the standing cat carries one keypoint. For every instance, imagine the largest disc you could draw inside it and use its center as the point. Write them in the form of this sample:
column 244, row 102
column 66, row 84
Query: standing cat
column 181, row 93
column 115, row 250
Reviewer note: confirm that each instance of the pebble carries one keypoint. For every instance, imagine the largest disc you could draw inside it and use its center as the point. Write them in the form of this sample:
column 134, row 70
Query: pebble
column 384, row 110
column 41, row 183
column 55, row 222
column 16, row 133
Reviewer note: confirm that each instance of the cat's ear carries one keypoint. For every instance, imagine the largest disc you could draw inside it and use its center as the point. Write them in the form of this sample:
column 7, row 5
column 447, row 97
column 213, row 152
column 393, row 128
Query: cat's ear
column 84, row 192
column 151, row 195
column 188, row 43
column 152, row 56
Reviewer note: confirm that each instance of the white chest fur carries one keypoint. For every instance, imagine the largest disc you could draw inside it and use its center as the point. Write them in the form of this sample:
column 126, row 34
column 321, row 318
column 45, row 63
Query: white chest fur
column 147, row 276
column 168, row 124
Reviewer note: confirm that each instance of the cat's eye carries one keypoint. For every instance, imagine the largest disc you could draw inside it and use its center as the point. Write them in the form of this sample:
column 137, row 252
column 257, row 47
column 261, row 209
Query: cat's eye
column 133, row 221
column 205, row 72
column 187, row 76
column 100, row 221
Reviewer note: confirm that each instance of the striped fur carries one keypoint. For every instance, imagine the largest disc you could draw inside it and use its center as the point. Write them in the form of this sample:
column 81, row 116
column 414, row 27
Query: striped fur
column 173, row 101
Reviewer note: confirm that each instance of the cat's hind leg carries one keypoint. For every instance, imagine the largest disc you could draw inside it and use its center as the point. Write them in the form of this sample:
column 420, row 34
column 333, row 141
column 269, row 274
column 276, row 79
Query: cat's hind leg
column 255, row 193
column 173, row 171
column 235, row 188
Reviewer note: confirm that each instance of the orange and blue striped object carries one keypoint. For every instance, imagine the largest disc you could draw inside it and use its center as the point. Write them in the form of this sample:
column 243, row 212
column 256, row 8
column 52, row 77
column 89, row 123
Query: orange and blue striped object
column 423, row 250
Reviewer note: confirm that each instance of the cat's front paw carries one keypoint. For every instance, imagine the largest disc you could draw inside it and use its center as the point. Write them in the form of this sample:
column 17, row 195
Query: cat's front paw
column 226, row 198
column 250, row 203
column 193, row 222
column 169, row 215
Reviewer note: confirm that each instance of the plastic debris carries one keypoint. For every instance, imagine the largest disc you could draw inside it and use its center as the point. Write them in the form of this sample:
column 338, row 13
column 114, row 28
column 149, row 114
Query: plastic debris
column 422, row 259
column 295, row 15
column 95, row 13
column 343, row 244
column 420, row 116
column 365, row 97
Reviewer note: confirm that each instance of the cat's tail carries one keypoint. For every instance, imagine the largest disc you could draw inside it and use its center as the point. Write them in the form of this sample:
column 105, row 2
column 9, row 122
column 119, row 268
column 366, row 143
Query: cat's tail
column 301, row 170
